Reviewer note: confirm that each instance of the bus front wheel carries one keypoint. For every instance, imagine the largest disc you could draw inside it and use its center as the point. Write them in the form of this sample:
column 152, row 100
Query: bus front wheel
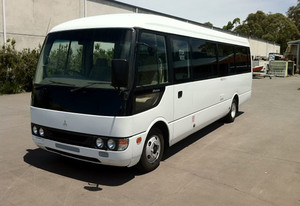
column 230, row 117
column 152, row 152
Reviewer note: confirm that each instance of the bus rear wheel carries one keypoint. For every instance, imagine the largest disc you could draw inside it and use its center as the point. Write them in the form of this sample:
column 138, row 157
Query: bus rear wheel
column 152, row 152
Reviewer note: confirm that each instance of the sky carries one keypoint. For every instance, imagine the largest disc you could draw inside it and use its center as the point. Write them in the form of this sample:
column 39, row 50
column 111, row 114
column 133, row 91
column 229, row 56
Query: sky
column 218, row 12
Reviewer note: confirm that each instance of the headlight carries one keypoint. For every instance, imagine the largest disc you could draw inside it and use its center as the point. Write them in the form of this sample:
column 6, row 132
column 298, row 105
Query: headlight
column 111, row 144
column 35, row 130
column 99, row 143
column 41, row 132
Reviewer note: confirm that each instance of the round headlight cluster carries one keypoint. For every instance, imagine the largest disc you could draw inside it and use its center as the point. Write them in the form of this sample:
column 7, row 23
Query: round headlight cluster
column 35, row 130
column 99, row 143
column 39, row 131
column 112, row 144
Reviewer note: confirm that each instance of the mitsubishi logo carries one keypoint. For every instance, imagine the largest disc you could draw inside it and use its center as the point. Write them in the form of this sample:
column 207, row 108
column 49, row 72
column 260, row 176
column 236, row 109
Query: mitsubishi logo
column 65, row 123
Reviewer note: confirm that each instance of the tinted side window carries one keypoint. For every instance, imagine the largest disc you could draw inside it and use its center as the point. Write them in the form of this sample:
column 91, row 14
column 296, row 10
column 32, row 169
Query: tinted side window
column 152, row 60
column 204, row 59
column 226, row 60
column 181, row 59
column 243, row 60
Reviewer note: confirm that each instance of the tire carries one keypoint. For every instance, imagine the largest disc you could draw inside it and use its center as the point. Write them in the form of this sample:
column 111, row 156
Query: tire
column 152, row 152
column 230, row 117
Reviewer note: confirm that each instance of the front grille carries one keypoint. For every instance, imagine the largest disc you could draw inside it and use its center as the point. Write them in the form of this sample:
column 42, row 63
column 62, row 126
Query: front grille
column 73, row 138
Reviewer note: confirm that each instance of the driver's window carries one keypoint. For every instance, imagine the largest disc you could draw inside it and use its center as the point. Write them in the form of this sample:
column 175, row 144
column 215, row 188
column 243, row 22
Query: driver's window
column 152, row 60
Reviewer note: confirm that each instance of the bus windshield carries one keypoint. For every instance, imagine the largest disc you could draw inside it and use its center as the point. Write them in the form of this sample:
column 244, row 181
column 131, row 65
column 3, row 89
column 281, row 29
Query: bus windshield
column 82, row 58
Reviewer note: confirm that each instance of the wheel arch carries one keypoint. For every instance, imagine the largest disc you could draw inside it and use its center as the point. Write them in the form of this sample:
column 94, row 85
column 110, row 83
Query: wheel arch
column 163, row 126
column 236, row 97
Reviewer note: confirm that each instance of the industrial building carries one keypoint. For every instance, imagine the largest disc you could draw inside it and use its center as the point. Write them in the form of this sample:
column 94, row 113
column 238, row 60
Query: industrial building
column 28, row 21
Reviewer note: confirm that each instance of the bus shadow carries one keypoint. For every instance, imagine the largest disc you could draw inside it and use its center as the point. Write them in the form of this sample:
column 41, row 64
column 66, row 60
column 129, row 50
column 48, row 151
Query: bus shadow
column 95, row 175
column 194, row 138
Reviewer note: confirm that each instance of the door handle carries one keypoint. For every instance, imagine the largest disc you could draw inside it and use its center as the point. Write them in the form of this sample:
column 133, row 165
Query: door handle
column 179, row 94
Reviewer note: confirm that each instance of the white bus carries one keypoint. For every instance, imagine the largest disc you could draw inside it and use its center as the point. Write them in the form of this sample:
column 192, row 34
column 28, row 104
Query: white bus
column 119, row 89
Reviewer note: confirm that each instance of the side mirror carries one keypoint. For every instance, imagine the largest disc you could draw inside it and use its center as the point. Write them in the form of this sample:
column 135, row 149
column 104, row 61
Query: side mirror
column 119, row 73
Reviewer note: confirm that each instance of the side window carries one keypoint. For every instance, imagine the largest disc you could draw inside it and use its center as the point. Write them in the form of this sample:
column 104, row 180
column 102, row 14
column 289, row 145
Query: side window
column 204, row 59
column 226, row 60
column 152, row 60
column 181, row 59
column 242, row 58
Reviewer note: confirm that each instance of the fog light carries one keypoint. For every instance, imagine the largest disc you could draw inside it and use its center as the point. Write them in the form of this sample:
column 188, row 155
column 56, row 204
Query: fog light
column 35, row 130
column 99, row 143
column 41, row 132
column 123, row 144
column 111, row 144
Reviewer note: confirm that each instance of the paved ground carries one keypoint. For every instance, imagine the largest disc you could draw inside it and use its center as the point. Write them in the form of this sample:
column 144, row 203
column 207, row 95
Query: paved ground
column 254, row 161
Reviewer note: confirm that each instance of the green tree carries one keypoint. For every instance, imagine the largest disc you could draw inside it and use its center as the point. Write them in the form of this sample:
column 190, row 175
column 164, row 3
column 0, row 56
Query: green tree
column 25, row 69
column 272, row 27
column 8, row 63
column 16, row 68
column 230, row 25
column 208, row 24
column 294, row 14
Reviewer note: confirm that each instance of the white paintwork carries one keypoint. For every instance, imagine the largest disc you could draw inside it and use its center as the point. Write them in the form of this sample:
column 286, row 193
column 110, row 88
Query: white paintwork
column 202, row 102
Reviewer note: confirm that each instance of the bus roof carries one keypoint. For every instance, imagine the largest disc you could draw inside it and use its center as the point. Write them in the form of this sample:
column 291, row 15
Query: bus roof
column 151, row 22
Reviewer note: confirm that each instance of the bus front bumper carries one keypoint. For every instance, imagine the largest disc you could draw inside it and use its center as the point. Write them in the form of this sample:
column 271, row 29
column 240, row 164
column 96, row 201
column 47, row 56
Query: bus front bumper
column 127, row 158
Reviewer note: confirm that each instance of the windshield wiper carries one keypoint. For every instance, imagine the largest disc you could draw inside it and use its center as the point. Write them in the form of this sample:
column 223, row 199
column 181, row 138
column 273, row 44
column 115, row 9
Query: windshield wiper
column 52, row 83
column 88, row 85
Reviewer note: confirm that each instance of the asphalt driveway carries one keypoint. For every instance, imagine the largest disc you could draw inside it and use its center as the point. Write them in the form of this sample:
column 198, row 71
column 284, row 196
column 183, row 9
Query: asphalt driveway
column 253, row 161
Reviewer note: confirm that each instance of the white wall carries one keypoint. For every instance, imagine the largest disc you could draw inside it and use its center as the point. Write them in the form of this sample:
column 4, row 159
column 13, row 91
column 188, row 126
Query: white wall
column 28, row 21
column 100, row 7
column 262, row 48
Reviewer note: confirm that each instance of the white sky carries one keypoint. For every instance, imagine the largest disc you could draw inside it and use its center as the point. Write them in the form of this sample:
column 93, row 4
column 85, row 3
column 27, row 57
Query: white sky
column 218, row 12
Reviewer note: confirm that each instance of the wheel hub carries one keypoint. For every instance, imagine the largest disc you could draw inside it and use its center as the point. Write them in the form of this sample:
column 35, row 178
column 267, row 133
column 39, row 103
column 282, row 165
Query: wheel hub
column 153, row 149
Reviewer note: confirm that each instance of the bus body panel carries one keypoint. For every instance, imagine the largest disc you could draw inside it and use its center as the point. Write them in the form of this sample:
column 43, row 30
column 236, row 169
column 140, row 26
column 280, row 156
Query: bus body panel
column 163, row 111
column 204, row 102
column 196, row 121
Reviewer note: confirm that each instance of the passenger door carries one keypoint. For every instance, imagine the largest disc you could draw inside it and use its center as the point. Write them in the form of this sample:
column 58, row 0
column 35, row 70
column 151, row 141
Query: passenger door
column 183, row 88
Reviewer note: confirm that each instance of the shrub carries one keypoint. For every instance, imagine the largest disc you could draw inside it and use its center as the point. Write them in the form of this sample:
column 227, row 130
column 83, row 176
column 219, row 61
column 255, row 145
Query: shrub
column 17, row 68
